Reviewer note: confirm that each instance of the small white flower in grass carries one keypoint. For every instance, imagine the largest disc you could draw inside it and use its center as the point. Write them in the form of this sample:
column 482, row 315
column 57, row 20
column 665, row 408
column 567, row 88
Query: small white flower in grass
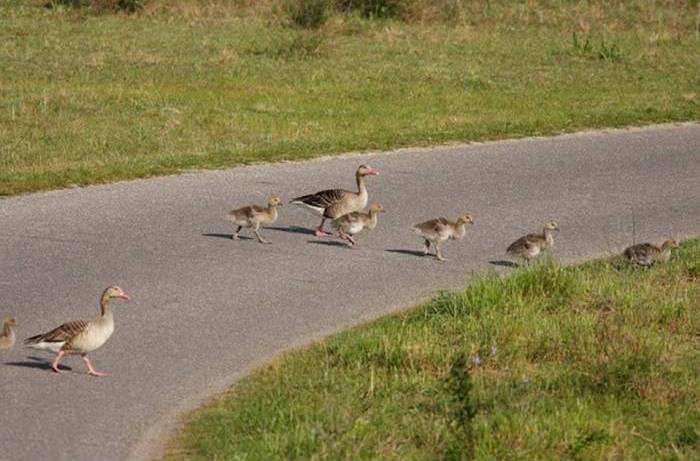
column 476, row 360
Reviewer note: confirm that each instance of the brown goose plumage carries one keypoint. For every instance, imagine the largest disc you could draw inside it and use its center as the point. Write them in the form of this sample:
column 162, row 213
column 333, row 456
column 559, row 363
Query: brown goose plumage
column 334, row 203
column 255, row 216
column 438, row 230
column 531, row 245
column 80, row 336
column 647, row 254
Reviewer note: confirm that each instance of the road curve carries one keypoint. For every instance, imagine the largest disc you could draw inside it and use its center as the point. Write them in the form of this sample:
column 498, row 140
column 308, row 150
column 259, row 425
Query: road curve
column 205, row 309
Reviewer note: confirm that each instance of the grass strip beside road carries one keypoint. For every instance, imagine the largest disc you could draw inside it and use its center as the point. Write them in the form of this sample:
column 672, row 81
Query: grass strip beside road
column 598, row 361
column 90, row 98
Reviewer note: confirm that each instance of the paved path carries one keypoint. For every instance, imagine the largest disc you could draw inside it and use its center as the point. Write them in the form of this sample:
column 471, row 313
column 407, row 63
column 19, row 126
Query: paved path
column 205, row 310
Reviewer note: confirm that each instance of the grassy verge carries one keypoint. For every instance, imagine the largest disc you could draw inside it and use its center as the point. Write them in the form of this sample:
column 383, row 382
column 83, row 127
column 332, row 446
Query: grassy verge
column 88, row 98
column 598, row 361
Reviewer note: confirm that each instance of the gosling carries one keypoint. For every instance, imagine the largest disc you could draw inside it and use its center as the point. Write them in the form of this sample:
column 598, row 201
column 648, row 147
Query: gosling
column 353, row 223
column 647, row 254
column 438, row 230
column 255, row 216
column 532, row 245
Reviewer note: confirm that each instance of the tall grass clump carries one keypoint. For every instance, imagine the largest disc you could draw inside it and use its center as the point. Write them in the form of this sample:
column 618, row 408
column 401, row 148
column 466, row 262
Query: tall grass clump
column 591, row 362
column 310, row 14
column 102, row 6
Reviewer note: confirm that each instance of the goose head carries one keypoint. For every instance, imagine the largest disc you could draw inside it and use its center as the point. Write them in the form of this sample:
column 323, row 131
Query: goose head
column 274, row 201
column 377, row 208
column 114, row 292
column 552, row 226
column 10, row 322
column 670, row 243
column 366, row 170
column 465, row 219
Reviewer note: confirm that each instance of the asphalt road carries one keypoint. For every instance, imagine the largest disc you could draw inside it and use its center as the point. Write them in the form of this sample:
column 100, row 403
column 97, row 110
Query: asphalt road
column 205, row 309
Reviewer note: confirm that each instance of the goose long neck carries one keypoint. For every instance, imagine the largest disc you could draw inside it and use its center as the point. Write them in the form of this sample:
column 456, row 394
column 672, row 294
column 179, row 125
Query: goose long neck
column 105, row 308
column 361, row 187
column 548, row 236
column 6, row 329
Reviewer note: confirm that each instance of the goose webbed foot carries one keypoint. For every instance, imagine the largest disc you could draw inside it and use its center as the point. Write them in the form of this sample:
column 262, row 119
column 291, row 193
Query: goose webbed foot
column 91, row 370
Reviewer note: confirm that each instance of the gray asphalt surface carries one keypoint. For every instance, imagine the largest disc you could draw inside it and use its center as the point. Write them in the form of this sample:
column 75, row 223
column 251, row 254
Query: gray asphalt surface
column 205, row 309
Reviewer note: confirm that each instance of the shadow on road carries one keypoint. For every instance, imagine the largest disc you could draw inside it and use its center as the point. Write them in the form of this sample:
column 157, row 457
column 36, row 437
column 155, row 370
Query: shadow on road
column 36, row 363
column 227, row 236
column 503, row 263
column 330, row 243
column 407, row 252
column 293, row 229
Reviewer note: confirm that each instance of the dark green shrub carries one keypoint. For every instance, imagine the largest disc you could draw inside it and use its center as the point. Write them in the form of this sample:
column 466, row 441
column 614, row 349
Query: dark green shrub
column 102, row 6
column 127, row 6
column 309, row 14
column 375, row 8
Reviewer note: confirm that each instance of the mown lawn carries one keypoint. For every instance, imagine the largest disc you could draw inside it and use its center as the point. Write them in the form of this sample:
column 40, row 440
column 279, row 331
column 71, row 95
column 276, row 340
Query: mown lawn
column 593, row 362
column 88, row 98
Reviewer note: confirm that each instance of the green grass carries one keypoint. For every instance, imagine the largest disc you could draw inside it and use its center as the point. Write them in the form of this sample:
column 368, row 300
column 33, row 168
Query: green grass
column 592, row 362
column 88, row 98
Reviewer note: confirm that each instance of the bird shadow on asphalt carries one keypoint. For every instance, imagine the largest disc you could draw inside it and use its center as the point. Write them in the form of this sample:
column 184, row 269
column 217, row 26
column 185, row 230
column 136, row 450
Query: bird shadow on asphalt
column 293, row 230
column 36, row 363
column 503, row 263
column 408, row 252
column 226, row 236
column 330, row 243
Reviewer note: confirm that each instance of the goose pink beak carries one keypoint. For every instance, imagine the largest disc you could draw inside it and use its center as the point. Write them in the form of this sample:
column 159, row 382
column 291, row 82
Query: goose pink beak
column 373, row 172
column 125, row 296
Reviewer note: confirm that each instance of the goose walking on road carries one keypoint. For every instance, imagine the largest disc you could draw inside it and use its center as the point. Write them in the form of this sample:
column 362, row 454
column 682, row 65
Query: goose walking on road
column 438, row 230
column 531, row 245
column 80, row 336
column 353, row 223
column 8, row 336
column 334, row 203
column 255, row 216
column 646, row 254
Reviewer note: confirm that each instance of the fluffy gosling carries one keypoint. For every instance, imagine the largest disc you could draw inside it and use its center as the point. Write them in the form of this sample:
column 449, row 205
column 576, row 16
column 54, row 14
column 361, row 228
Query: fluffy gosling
column 255, row 216
column 438, row 230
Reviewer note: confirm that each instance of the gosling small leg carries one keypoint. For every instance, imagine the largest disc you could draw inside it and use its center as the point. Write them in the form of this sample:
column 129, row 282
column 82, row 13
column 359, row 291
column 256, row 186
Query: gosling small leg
column 438, row 253
column 426, row 250
column 235, row 235
column 257, row 234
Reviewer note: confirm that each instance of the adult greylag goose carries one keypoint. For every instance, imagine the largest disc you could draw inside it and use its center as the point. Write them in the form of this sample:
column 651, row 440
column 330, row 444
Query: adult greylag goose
column 255, row 216
column 353, row 223
column 334, row 203
column 80, row 336
column 438, row 230
column 8, row 337
column 646, row 254
column 531, row 245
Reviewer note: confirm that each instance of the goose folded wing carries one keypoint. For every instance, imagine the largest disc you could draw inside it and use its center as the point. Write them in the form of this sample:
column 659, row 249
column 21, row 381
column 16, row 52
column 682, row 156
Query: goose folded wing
column 60, row 334
column 323, row 199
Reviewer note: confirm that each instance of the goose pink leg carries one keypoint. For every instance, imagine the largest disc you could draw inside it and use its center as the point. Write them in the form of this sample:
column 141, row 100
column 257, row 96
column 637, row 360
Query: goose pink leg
column 54, row 364
column 92, row 371
column 320, row 232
